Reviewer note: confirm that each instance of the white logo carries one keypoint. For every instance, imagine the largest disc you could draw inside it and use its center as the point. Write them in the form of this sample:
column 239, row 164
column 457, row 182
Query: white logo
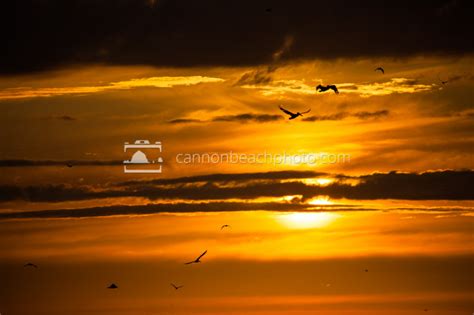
column 139, row 162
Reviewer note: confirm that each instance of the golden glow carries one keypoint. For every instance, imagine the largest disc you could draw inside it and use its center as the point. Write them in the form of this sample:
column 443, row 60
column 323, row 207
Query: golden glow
column 158, row 82
column 307, row 220
column 321, row 201
column 318, row 181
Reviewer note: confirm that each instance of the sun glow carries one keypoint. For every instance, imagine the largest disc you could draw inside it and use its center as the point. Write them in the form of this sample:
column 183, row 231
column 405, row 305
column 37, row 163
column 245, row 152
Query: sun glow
column 320, row 201
column 307, row 220
column 318, row 181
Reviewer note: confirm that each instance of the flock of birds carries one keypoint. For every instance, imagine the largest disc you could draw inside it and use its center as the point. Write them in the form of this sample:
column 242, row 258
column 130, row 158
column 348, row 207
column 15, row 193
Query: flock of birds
column 113, row 286
column 322, row 88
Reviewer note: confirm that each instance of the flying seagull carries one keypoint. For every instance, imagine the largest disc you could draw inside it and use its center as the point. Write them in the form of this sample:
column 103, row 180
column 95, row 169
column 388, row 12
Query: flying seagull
column 293, row 115
column 197, row 260
column 380, row 69
column 176, row 287
column 112, row 286
column 225, row 226
column 322, row 88
column 30, row 265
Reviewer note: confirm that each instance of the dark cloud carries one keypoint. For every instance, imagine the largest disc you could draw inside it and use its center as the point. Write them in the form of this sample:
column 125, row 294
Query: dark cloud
column 64, row 117
column 371, row 115
column 184, row 121
column 241, row 177
column 173, row 208
column 264, row 75
column 256, row 77
column 44, row 35
column 242, row 118
column 344, row 115
column 25, row 163
column 249, row 118
column 442, row 185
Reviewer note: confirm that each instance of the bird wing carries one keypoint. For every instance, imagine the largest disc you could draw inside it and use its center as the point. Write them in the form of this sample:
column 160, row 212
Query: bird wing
column 173, row 285
column 286, row 111
column 334, row 88
column 306, row 111
column 191, row 262
column 202, row 255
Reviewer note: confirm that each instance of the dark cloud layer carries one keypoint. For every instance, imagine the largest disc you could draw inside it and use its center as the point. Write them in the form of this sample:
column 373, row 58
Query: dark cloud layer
column 25, row 163
column 242, row 118
column 43, row 35
column 265, row 118
column 441, row 185
column 170, row 208
column 249, row 118
column 343, row 115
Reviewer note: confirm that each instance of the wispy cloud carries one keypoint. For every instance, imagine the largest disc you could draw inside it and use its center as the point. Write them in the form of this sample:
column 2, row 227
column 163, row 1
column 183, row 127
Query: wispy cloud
column 394, row 85
column 63, row 117
column 264, row 75
column 343, row 115
column 240, row 118
column 157, row 82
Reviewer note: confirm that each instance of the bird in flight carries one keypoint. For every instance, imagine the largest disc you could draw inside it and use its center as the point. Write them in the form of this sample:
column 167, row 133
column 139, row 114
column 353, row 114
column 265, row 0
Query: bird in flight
column 366, row 270
column 442, row 82
column 176, row 287
column 30, row 265
column 197, row 260
column 225, row 226
column 380, row 69
column 112, row 286
column 293, row 115
column 322, row 88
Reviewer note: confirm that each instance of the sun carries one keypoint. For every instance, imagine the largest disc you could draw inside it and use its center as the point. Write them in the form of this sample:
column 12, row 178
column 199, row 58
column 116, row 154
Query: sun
column 307, row 220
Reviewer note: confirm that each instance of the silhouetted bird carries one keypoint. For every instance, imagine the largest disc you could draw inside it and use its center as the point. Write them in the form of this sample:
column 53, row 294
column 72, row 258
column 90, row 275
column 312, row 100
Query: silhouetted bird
column 366, row 270
column 197, row 260
column 225, row 226
column 321, row 88
column 380, row 69
column 293, row 115
column 112, row 286
column 177, row 287
column 442, row 82
column 69, row 165
column 30, row 265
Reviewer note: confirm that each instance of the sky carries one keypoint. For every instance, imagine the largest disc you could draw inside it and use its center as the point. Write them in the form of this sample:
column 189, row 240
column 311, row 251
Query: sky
column 361, row 205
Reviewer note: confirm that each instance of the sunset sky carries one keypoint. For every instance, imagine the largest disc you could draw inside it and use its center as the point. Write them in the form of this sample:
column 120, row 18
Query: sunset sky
column 380, row 222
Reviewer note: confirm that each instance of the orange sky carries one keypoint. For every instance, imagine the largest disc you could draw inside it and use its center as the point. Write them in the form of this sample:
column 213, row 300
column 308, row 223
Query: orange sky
column 306, row 254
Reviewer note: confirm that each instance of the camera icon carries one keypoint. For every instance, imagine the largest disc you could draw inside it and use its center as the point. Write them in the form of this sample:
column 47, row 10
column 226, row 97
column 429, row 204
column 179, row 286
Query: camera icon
column 139, row 162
